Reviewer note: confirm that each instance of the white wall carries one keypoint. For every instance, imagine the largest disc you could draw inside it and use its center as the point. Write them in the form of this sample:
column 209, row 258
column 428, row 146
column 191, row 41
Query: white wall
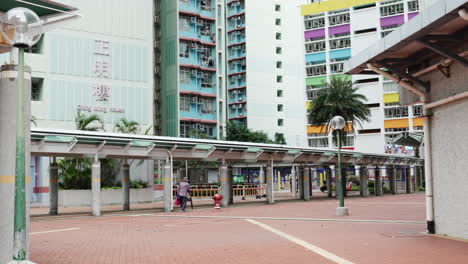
column 261, row 70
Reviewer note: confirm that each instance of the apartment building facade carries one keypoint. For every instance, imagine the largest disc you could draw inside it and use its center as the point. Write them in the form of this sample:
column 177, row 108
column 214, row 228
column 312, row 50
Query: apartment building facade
column 236, row 62
column 334, row 32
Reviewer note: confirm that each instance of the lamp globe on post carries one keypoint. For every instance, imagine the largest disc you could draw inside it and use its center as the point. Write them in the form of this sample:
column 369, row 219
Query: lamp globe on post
column 338, row 123
column 22, row 28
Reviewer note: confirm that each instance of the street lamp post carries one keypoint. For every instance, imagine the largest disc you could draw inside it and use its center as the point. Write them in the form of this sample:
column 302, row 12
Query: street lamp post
column 22, row 28
column 338, row 123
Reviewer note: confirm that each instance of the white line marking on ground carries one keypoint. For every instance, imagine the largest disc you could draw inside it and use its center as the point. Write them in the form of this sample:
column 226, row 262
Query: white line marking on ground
column 54, row 231
column 315, row 249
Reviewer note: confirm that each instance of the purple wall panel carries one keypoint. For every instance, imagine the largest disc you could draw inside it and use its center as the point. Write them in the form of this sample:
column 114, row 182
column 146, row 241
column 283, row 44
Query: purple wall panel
column 390, row 21
column 316, row 33
column 411, row 15
column 339, row 29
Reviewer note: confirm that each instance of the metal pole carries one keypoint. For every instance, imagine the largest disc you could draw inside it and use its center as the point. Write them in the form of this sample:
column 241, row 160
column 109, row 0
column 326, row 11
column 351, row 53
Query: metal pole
column 19, row 236
column 340, row 176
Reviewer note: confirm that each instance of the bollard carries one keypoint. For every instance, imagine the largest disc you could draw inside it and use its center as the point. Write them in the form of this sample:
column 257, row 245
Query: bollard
column 217, row 200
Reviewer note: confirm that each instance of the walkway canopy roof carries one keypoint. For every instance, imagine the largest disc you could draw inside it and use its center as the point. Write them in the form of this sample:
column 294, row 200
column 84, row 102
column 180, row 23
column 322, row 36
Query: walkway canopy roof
column 437, row 33
column 69, row 143
column 408, row 139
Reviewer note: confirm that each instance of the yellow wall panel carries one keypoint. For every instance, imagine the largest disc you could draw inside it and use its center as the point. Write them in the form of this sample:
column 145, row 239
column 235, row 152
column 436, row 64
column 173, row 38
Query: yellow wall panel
column 329, row 5
column 419, row 121
column 391, row 98
column 308, row 105
column 317, row 129
column 396, row 123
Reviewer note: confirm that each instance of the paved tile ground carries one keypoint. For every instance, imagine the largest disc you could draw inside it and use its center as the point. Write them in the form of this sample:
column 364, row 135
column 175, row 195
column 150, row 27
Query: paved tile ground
column 294, row 230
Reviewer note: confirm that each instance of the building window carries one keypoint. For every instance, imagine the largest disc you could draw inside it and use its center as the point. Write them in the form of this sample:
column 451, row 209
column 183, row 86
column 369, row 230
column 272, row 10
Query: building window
column 318, row 142
column 278, row 50
column 279, row 93
column 184, row 129
column 314, row 23
column 388, row 29
column 280, row 122
column 185, row 76
column 369, row 131
column 184, row 49
column 363, row 31
column 279, row 65
column 340, row 43
column 207, row 80
column 184, row 24
column 278, row 36
column 206, row 28
column 348, row 142
column 390, row 87
column 413, row 6
column 279, row 79
column 207, row 105
column 312, row 94
column 185, row 103
column 277, row 7
column 316, row 46
column 316, row 70
column 280, row 108
column 205, row 5
column 417, row 110
column 278, row 22
column 36, row 89
column 391, row 9
column 339, row 19
column 396, row 112
column 336, row 68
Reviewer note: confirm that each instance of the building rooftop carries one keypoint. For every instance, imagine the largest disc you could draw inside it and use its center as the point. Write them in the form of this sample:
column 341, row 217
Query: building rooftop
column 406, row 52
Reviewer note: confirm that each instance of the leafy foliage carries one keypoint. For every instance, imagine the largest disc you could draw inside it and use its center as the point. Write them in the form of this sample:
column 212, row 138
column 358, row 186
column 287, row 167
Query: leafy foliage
column 126, row 126
column 86, row 122
column 279, row 139
column 197, row 133
column 339, row 98
column 240, row 132
column 75, row 173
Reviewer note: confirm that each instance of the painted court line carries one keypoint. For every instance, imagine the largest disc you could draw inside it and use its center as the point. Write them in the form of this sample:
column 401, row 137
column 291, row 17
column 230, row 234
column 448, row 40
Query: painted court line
column 290, row 219
column 54, row 231
column 315, row 249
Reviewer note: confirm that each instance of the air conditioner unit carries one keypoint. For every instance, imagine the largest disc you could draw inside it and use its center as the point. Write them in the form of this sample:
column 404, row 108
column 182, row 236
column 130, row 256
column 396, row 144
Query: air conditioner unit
column 201, row 127
column 241, row 114
column 156, row 19
column 194, row 72
column 157, row 69
column 200, row 74
column 193, row 19
column 156, row 44
column 240, row 99
column 234, row 92
column 233, row 107
column 193, row 45
column 239, row 26
column 194, row 99
column 194, row 126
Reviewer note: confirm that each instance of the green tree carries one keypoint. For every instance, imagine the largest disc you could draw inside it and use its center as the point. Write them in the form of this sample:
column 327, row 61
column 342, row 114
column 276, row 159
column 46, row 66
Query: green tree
column 126, row 126
column 279, row 139
column 339, row 97
column 86, row 122
column 197, row 133
column 240, row 132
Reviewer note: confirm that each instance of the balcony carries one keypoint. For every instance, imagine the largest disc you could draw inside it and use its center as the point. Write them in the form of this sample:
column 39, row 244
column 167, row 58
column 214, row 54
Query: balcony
column 195, row 6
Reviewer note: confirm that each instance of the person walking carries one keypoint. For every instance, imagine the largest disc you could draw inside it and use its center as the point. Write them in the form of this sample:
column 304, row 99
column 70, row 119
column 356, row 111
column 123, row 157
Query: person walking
column 182, row 191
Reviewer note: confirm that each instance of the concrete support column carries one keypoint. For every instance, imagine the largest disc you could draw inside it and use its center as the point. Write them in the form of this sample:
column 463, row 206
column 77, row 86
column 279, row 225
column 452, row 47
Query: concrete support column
column 392, row 179
column 269, row 183
column 408, row 179
column 96, row 187
column 306, row 182
column 230, row 187
column 378, row 182
column 315, row 180
column 293, row 182
column 126, row 186
column 364, row 178
column 167, row 179
column 54, row 186
column 225, row 186
column 329, row 178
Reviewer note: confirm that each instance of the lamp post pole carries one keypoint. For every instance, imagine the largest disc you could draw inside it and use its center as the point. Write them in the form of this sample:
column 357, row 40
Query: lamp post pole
column 19, row 241
column 340, row 175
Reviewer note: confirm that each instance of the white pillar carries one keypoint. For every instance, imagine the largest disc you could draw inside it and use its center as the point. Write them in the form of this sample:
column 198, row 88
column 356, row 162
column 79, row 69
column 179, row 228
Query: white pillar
column 306, row 182
column 293, row 182
column 269, row 184
column 54, row 186
column 167, row 174
column 96, row 187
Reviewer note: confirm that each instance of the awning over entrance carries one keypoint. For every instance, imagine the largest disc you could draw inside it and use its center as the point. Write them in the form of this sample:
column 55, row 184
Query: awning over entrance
column 40, row 7
column 408, row 139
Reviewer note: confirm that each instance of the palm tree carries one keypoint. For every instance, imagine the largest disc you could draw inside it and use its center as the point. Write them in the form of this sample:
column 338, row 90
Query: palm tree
column 339, row 97
column 126, row 126
column 83, row 122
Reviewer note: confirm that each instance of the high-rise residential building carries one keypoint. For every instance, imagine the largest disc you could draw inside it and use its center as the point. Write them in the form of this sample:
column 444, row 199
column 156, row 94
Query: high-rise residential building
column 334, row 31
column 237, row 61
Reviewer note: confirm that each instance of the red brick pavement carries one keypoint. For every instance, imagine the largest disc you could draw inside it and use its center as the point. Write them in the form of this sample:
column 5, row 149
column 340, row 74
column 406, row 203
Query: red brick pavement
column 154, row 238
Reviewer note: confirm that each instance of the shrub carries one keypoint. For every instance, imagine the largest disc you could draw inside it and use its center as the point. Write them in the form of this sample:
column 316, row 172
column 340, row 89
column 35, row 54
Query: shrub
column 355, row 180
column 421, row 189
column 137, row 184
column 370, row 184
column 356, row 188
